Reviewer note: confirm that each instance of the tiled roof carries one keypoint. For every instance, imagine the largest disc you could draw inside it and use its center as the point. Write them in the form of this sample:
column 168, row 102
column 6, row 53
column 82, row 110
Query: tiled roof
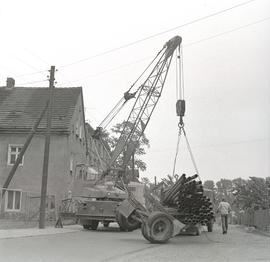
column 21, row 106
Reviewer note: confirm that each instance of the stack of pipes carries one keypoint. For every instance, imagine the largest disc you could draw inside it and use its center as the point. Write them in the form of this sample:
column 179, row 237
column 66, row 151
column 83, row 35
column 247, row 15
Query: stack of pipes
column 186, row 194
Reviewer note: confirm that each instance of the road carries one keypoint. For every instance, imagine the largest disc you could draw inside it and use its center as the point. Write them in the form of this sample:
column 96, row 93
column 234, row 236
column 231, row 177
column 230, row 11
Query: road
column 113, row 245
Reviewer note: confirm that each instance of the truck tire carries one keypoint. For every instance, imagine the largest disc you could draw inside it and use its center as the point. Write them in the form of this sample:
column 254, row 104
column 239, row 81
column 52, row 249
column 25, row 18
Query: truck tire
column 127, row 224
column 106, row 223
column 144, row 232
column 94, row 224
column 87, row 226
column 160, row 227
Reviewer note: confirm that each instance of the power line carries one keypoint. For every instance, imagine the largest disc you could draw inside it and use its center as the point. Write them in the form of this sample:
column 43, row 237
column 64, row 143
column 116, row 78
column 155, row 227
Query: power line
column 33, row 73
column 46, row 63
column 146, row 58
column 29, row 74
column 186, row 46
column 33, row 82
column 233, row 143
column 33, row 67
column 157, row 34
column 112, row 69
column 142, row 39
column 227, row 32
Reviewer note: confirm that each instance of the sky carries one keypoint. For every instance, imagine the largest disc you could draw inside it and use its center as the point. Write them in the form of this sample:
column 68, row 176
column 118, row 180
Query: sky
column 104, row 46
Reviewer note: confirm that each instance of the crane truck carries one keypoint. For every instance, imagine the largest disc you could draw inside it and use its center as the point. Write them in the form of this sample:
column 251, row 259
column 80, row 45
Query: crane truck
column 101, row 203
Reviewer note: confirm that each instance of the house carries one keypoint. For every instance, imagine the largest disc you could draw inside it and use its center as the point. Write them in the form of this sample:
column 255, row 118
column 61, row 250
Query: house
column 99, row 150
column 98, row 159
column 20, row 107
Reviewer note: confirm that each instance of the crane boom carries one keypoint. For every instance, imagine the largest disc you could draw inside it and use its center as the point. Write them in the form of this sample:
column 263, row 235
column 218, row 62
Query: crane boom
column 147, row 97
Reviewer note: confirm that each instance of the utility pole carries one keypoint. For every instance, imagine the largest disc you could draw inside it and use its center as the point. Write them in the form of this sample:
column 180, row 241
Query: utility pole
column 46, row 153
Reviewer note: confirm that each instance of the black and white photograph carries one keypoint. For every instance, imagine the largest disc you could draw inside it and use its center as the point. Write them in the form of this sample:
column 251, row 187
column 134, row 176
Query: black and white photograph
column 135, row 131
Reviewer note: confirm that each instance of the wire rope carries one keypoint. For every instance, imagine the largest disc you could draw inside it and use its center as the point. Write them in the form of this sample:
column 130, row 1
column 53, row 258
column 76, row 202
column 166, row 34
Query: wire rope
column 191, row 154
column 116, row 109
column 177, row 150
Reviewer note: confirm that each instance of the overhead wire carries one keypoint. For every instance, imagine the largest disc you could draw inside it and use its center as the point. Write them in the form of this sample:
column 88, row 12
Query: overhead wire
column 146, row 58
column 227, row 32
column 169, row 149
column 157, row 34
column 33, row 82
column 28, row 74
column 152, row 36
column 47, row 64
column 184, row 45
column 143, row 39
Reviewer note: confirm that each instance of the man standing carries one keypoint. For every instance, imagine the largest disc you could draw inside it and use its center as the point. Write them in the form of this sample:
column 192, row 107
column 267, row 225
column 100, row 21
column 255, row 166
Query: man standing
column 224, row 208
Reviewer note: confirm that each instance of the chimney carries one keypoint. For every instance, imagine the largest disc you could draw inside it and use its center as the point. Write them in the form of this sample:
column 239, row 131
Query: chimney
column 10, row 83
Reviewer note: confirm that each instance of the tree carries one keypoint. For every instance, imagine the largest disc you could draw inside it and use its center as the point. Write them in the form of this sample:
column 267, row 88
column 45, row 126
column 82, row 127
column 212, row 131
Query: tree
column 255, row 192
column 141, row 142
column 224, row 186
column 225, row 189
column 146, row 181
column 209, row 184
column 170, row 180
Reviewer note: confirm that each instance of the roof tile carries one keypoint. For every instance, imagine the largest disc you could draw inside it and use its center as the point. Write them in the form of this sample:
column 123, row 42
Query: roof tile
column 21, row 106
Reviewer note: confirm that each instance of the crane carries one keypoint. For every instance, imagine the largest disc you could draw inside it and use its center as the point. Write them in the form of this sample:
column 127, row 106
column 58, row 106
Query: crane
column 103, row 204
column 146, row 97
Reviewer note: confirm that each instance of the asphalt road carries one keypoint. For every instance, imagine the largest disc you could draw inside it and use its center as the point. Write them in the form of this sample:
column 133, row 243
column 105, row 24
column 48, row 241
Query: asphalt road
column 113, row 245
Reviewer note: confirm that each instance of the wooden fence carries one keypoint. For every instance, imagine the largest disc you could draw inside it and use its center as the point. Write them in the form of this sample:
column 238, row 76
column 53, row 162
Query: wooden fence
column 259, row 219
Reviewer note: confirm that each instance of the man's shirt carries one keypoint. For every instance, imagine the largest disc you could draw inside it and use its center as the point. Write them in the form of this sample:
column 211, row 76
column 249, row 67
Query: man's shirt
column 224, row 208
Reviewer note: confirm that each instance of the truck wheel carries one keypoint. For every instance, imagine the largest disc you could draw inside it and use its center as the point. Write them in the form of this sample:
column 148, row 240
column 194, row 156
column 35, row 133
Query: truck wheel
column 87, row 227
column 94, row 224
column 144, row 232
column 160, row 227
column 127, row 224
column 106, row 223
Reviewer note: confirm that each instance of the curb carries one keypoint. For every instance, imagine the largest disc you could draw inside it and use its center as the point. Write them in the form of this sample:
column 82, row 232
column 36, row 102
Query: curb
column 32, row 232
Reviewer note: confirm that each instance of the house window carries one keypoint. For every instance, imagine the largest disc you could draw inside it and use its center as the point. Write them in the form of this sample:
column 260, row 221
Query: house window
column 13, row 200
column 13, row 153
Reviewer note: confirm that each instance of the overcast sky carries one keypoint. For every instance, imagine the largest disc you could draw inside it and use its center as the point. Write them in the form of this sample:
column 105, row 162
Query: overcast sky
column 226, row 71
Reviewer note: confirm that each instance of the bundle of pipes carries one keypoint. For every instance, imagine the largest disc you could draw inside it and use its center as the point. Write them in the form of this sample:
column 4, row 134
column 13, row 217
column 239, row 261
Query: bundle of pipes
column 186, row 194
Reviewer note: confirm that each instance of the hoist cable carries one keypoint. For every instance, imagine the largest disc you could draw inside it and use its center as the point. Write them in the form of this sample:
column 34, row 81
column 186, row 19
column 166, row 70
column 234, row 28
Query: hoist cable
column 177, row 74
column 177, row 150
column 181, row 72
column 116, row 108
column 115, row 114
column 190, row 152
column 145, row 70
column 111, row 112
